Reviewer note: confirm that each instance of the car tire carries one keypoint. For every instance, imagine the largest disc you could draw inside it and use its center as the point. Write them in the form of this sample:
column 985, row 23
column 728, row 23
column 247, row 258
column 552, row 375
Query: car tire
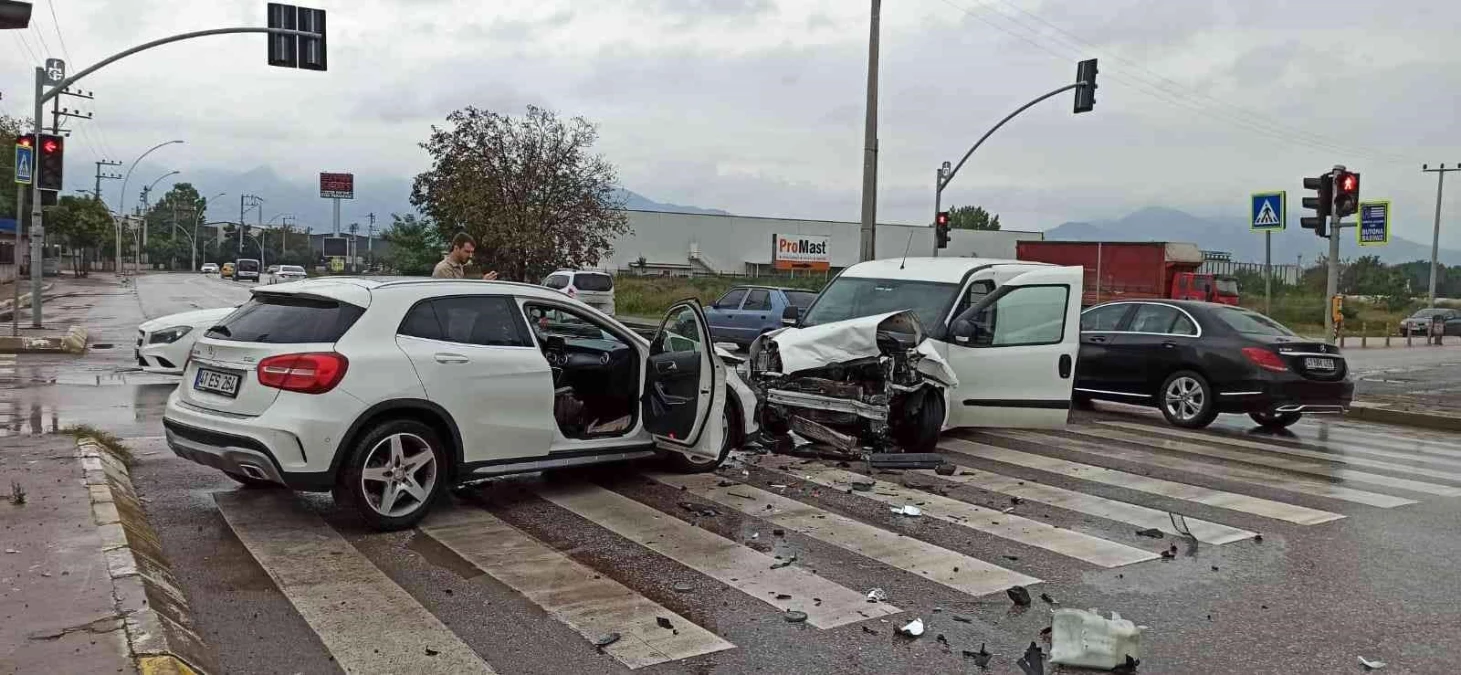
column 251, row 482
column 920, row 431
column 1186, row 400
column 680, row 462
column 1275, row 420
column 388, row 461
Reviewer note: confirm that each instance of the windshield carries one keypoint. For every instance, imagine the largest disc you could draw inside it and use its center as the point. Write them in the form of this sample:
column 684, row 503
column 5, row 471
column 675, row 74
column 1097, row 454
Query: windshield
column 248, row 265
column 1428, row 313
column 1227, row 286
column 854, row 297
column 295, row 269
column 1249, row 322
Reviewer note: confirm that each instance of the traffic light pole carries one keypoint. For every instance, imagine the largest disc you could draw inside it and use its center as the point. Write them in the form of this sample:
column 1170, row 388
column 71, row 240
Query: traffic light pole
column 1331, row 286
column 938, row 204
column 37, row 229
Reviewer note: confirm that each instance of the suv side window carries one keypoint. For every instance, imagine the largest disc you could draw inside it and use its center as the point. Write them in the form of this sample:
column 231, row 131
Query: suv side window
column 758, row 299
column 1103, row 319
column 556, row 281
column 489, row 321
column 731, row 300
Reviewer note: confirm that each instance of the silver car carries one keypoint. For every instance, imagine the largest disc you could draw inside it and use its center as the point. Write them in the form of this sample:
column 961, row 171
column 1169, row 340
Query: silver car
column 1419, row 323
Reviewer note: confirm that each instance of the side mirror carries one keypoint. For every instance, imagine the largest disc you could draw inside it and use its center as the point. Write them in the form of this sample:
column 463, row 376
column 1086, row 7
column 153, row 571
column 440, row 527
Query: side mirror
column 962, row 330
column 791, row 315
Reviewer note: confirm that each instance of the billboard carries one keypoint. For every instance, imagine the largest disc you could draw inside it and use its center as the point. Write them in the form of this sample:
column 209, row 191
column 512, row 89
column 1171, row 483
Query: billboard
column 335, row 247
column 801, row 252
column 337, row 185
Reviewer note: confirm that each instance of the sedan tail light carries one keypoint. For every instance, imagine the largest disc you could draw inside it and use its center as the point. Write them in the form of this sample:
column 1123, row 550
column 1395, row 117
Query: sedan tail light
column 1265, row 359
column 314, row 373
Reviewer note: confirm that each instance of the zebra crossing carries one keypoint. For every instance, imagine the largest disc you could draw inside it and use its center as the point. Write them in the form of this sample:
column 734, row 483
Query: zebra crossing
column 1218, row 487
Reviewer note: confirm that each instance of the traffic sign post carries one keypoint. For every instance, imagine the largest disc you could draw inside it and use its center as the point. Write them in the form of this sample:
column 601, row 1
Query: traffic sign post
column 1268, row 211
column 1374, row 227
column 24, row 165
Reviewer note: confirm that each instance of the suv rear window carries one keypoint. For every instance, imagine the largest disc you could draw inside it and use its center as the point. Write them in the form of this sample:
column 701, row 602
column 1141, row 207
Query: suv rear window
column 247, row 265
column 593, row 282
column 287, row 319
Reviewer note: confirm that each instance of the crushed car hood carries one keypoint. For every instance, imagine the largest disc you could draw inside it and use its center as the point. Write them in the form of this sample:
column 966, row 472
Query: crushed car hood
column 843, row 341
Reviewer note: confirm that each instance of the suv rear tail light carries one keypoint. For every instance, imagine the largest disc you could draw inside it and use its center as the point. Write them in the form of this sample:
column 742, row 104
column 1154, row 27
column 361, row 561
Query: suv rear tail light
column 1265, row 359
column 314, row 373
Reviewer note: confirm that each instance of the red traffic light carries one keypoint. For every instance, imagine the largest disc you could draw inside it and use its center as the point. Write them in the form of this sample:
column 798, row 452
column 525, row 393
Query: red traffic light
column 1349, row 182
column 942, row 218
column 50, row 145
column 26, row 141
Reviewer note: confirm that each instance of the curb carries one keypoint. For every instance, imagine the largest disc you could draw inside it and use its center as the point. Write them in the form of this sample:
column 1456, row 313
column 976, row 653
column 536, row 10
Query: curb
column 73, row 342
column 1409, row 418
column 158, row 621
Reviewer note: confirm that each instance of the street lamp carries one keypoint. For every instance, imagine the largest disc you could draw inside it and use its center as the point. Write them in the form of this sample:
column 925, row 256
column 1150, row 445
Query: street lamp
column 122, row 201
column 193, row 241
column 146, row 203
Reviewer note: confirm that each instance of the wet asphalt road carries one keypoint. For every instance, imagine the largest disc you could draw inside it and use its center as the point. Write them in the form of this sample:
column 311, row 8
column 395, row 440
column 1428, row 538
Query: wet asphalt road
column 1333, row 578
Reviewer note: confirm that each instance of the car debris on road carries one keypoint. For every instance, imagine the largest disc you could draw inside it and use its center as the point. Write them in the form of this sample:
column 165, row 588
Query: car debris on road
column 1083, row 639
column 913, row 628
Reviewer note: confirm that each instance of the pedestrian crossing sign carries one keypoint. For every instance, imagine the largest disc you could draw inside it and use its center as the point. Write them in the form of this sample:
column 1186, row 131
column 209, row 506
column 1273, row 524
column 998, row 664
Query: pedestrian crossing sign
column 1268, row 211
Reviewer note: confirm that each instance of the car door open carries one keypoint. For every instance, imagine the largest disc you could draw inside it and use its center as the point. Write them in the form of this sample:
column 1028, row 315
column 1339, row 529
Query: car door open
column 1014, row 352
column 684, row 384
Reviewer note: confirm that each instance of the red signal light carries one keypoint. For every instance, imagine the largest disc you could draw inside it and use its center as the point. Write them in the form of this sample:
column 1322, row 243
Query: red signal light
column 943, row 218
column 1348, row 182
column 50, row 145
column 25, row 141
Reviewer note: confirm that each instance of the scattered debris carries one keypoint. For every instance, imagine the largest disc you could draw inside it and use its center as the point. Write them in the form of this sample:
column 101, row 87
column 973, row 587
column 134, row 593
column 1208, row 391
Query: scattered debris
column 1008, row 509
column 783, row 596
column 863, row 485
column 1011, row 557
column 698, row 509
column 11, row 550
column 778, row 532
column 683, row 586
column 737, row 494
column 981, row 657
column 963, row 619
column 431, row 652
column 1170, row 553
column 17, row 493
column 664, row 623
column 869, row 630
column 877, row 595
column 1128, row 668
column 1016, row 501
column 1152, row 532
column 1258, row 538
column 755, row 535
column 1083, row 639
column 1033, row 662
column 725, row 483
column 942, row 640
column 914, row 628
column 794, row 616
column 605, row 640
column 945, row 469
column 1020, row 595
column 783, row 563
column 1046, row 597
column 1371, row 665
column 1214, row 568
column 908, row 510
column 904, row 460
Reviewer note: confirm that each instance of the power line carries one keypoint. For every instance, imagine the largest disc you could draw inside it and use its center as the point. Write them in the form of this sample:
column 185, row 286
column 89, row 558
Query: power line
column 20, row 36
column 55, row 24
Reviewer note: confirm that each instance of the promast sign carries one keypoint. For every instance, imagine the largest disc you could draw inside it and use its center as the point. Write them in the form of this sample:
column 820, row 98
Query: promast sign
column 801, row 252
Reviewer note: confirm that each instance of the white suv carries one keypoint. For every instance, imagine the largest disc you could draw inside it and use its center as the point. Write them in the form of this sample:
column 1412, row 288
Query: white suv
column 389, row 392
column 595, row 289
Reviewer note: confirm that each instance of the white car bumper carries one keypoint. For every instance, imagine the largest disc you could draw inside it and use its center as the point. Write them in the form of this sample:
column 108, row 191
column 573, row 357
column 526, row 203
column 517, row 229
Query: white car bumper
column 167, row 358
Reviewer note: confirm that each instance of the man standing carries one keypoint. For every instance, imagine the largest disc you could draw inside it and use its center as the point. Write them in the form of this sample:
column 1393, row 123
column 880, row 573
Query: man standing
column 454, row 265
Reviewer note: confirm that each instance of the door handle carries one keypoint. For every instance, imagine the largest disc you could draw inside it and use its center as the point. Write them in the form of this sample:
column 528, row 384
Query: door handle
column 442, row 357
column 665, row 367
column 1097, row 338
column 1169, row 344
column 1064, row 366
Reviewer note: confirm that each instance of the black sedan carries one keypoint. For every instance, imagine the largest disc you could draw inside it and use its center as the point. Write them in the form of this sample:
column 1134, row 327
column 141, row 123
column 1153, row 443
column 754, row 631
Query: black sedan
column 1193, row 360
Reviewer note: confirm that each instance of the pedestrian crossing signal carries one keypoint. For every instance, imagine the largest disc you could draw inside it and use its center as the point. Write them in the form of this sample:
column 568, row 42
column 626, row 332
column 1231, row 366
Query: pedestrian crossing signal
column 941, row 229
column 50, row 162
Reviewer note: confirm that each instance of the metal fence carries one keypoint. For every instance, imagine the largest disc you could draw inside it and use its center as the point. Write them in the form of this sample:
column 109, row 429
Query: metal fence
column 1288, row 274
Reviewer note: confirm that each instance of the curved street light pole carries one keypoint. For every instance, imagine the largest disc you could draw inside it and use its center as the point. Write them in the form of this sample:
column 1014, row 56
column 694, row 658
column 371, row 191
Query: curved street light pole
column 122, row 200
column 146, row 204
column 193, row 241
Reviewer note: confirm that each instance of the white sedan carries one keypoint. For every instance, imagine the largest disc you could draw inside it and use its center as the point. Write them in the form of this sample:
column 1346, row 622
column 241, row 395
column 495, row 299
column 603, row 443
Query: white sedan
column 163, row 344
column 285, row 273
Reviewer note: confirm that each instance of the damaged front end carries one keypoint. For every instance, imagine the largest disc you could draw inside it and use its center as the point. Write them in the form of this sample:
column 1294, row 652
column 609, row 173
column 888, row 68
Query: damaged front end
column 871, row 383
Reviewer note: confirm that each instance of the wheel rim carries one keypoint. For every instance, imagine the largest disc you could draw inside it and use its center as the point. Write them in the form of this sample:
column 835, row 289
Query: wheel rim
column 725, row 425
column 1185, row 398
column 398, row 475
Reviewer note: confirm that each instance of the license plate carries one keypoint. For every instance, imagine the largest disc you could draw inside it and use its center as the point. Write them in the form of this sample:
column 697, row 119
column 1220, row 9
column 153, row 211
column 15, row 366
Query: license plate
column 217, row 382
column 1319, row 364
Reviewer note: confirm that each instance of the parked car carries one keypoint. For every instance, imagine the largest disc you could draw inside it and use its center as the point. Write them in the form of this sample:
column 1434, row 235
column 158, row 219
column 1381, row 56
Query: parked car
column 744, row 313
column 595, row 289
column 226, row 272
column 1194, row 360
column 163, row 344
column 209, row 268
column 279, row 274
column 1419, row 323
column 892, row 352
column 387, row 392
column 245, row 269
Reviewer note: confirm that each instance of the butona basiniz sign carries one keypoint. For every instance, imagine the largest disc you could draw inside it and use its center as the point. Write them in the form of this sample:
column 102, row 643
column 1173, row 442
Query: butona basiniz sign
column 801, row 252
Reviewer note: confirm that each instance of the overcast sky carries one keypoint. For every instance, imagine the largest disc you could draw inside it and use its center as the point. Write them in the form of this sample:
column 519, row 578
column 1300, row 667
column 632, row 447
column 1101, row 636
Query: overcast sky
column 756, row 106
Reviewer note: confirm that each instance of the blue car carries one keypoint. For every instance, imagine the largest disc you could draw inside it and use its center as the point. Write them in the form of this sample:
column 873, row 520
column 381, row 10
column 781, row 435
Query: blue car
column 745, row 312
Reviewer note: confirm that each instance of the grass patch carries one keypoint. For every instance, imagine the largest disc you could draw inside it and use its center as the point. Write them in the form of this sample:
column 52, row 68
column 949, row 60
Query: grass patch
column 649, row 297
column 1304, row 314
column 106, row 438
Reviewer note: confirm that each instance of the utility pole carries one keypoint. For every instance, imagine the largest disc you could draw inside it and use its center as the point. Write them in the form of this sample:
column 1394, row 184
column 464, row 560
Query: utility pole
column 254, row 201
column 102, row 175
column 57, row 112
column 1436, row 229
column 868, row 249
column 370, row 238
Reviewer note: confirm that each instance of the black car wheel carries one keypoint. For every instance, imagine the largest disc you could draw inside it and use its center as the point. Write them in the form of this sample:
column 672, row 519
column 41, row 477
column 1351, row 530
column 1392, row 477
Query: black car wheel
column 1186, row 400
column 1274, row 419
column 920, row 430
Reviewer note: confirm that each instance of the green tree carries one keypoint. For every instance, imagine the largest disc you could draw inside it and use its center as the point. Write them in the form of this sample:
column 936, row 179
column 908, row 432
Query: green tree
column 10, row 127
column 83, row 225
column 972, row 218
column 416, row 245
column 170, row 225
column 526, row 188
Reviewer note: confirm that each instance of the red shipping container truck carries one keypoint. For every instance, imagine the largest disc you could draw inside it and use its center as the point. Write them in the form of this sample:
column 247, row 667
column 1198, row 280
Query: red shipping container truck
column 1124, row 270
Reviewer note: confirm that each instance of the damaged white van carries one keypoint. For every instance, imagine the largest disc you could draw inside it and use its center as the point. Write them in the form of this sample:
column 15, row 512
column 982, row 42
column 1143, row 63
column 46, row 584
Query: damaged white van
column 894, row 351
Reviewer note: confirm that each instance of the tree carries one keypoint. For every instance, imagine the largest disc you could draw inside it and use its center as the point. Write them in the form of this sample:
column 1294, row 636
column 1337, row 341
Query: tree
column 972, row 218
column 82, row 224
column 416, row 245
column 526, row 188
column 10, row 127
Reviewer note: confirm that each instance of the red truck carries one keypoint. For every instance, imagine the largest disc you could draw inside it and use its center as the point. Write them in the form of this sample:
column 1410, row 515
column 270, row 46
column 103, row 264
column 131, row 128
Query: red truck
column 1123, row 270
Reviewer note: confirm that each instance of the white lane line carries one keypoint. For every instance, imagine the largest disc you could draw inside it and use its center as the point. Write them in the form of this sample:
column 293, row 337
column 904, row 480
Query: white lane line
column 1240, row 474
column 955, row 570
column 1330, row 433
column 726, row 561
column 1091, row 505
column 589, row 603
column 1070, row 543
column 368, row 623
column 1308, row 454
column 1343, row 444
column 1164, row 488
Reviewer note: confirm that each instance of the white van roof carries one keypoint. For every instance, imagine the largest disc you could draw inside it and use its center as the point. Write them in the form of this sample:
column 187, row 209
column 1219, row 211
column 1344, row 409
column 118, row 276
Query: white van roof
column 944, row 270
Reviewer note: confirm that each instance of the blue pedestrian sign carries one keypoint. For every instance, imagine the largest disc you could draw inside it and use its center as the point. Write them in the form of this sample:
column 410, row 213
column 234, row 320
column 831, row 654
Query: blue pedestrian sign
column 1374, row 228
column 24, row 163
column 1268, row 212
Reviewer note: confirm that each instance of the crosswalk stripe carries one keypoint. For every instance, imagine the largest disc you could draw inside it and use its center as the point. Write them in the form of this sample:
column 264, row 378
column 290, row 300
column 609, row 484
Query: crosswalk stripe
column 955, row 570
column 1234, row 473
column 589, row 603
column 1092, row 505
column 368, row 623
column 1068, row 543
column 726, row 561
column 1295, row 452
column 1344, row 445
column 1333, row 436
column 1164, row 488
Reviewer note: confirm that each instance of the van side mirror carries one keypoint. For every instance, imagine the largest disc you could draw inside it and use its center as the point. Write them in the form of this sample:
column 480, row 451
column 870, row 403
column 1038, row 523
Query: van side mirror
column 791, row 315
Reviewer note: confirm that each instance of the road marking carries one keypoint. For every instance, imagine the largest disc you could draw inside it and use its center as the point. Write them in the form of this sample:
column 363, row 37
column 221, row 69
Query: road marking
column 589, row 603
column 1234, row 473
column 726, row 561
column 1163, row 488
column 1092, row 505
column 1342, row 446
column 368, row 623
column 1330, row 433
column 1310, row 454
column 1069, row 543
column 955, row 570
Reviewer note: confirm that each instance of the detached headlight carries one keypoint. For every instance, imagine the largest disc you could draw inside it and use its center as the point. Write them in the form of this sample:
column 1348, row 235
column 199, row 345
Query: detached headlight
column 169, row 335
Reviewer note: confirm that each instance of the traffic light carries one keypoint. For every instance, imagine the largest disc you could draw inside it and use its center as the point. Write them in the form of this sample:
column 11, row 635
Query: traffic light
column 1346, row 193
column 50, row 161
column 312, row 49
column 25, row 141
column 941, row 229
column 283, row 49
column 1085, row 95
column 291, row 51
column 1322, row 204
column 14, row 14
